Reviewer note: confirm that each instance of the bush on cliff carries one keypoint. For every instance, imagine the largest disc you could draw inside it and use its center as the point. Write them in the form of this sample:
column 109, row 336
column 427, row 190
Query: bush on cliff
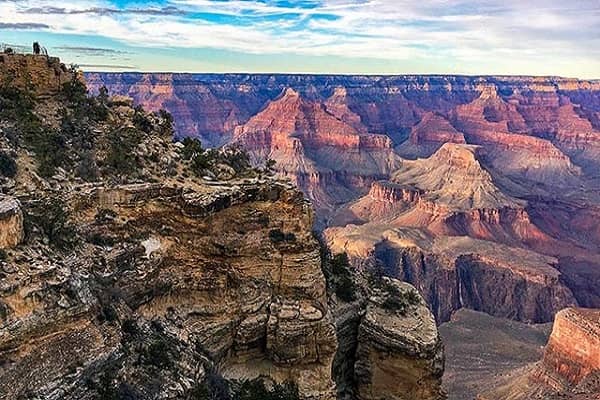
column 49, row 217
column 337, row 271
column 83, row 106
column 345, row 288
column 122, row 143
column 397, row 300
column 166, row 123
column 215, row 387
column 8, row 166
column 256, row 390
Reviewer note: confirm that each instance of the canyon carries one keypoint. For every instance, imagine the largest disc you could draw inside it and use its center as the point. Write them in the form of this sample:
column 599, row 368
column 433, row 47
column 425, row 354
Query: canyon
column 482, row 192
column 133, row 266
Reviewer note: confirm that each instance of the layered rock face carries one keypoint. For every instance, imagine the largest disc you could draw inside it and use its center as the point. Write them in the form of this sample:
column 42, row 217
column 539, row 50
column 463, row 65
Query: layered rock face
column 491, row 207
column 158, row 275
column 569, row 368
column 444, row 225
column 306, row 139
column 11, row 222
column 398, row 358
column 255, row 306
column 573, row 351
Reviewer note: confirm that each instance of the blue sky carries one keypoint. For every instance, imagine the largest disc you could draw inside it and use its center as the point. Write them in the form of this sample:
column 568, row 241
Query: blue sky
column 533, row 37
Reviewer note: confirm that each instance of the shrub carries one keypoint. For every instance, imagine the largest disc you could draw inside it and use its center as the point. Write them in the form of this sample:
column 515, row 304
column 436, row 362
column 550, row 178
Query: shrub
column 202, row 161
column 344, row 286
column 8, row 166
column 191, row 148
column 50, row 148
column 256, row 390
column 166, row 122
column 87, row 168
column 398, row 300
column 277, row 236
column 337, row 271
column 83, row 106
column 122, row 143
column 237, row 158
column 141, row 120
column 51, row 217
column 270, row 165
column 158, row 353
column 214, row 387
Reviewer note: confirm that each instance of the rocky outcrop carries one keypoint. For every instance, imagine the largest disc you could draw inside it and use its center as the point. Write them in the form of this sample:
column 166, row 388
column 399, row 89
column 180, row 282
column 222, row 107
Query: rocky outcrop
column 569, row 369
column 11, row 222
column 398, row 358
column 254, row 303
column 573, row 351
column 46, row 75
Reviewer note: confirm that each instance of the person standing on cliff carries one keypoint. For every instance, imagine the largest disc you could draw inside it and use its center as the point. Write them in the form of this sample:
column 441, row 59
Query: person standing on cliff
column 36, row 48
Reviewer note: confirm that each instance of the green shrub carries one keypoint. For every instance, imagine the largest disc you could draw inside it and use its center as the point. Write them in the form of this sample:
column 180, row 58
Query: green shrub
column 202, row 161
column 8, row 166
column 87, row 168
column 51, row 217
column 122, row 143
column 237, row 158
column 50, row 148
column 337, row 271
column 166, row 123
column 277, row 236
column 214, row 387
column 191, row 148
column 158, row 353
column 256, row 390
column 397, row 300
column 342, row 281
column 141, row 120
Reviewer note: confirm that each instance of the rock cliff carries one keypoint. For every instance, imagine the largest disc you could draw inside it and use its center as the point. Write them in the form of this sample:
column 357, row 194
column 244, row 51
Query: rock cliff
column 398, row 358
column 569, row 368
column 572, row 353
column 136, row 267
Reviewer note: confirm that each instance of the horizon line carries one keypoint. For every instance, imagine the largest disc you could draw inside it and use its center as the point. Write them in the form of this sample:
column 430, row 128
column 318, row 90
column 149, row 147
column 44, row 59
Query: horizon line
column 349, row 74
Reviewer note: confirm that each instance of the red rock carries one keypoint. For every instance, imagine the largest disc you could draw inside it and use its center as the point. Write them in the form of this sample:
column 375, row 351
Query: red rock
column 573, row 351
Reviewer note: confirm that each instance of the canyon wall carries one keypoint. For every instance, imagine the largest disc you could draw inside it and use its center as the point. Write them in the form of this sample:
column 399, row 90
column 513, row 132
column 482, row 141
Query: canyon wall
column 462, row 186
column 158, row 275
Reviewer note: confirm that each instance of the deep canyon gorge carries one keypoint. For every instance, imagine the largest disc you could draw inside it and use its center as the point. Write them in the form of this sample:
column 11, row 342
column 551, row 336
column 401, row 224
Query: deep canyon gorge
column 482, row 192
column 345, row 237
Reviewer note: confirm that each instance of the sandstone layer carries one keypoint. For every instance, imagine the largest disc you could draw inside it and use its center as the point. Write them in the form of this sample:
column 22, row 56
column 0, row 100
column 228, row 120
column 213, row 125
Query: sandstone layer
column 569, row 368
column 398, row 358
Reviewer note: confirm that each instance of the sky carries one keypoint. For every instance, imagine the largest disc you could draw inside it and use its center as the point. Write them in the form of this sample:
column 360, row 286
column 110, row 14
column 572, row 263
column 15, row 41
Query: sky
column 486, row 37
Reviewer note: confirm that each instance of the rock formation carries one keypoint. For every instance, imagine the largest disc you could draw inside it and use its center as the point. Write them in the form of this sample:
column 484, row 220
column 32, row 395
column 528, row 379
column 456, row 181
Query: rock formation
column 398, row 358
column 570, row 367
column 573, row 351
column 307, row 141
column 148, row 272
column 45, row 74
column 11, row 222
column 492, row 207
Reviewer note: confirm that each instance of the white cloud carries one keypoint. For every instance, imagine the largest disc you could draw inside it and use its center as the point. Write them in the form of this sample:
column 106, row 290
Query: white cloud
column 476, row 32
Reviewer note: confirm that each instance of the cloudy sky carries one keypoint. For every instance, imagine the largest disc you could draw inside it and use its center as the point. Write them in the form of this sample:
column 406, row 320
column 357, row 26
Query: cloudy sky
column 533, row 37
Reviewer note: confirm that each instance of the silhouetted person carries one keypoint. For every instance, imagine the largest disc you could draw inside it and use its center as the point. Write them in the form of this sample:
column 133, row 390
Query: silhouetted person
column 36, row 48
